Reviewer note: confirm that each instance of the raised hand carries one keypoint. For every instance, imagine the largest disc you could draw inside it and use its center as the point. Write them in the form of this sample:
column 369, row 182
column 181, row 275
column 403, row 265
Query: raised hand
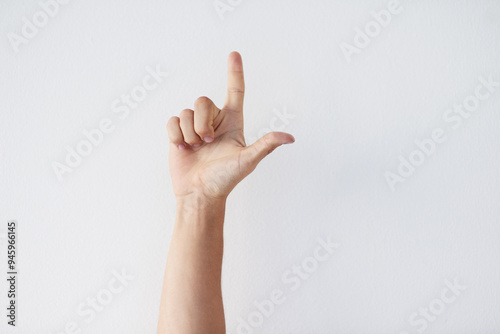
column 208, row 153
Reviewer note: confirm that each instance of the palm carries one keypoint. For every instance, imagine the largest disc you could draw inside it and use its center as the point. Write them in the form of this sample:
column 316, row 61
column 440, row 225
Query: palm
column 213, row 168
column 210, row 166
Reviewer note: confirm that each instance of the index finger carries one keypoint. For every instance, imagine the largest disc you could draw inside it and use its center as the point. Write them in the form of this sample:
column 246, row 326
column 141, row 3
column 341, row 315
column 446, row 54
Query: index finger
column 235, row 83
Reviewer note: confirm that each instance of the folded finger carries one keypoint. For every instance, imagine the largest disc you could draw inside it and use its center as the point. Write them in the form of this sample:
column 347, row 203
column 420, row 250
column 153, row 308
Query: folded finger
column 187, row 128
column 204, row 113
column 174, row 132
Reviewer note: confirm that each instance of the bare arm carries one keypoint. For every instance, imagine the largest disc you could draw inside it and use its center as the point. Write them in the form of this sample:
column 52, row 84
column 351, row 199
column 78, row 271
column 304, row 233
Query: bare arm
column 208, row 157
column 192, row 299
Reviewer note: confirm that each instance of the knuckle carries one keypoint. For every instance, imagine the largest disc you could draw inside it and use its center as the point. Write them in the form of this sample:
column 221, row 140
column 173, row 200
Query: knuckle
column 172, row 121
column 273, row 137
column 202, row 100
column 236, row 90
column 186, row 113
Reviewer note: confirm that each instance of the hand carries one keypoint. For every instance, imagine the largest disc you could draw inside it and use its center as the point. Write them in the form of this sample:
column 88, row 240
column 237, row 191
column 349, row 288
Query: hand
column 208, row 154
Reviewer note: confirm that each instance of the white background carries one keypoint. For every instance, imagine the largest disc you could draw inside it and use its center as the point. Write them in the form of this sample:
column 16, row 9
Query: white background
column 352, row 121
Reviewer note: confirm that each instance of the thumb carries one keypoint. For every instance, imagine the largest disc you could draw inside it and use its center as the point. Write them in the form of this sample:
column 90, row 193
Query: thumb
column 254, row 153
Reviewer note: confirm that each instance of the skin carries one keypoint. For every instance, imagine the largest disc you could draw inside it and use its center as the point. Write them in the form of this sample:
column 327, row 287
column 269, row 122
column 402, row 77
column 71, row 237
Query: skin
column 208, row 158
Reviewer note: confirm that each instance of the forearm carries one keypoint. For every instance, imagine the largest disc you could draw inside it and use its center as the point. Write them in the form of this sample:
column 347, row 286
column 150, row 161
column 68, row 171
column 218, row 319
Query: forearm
column 191, row 300
column 208, row 155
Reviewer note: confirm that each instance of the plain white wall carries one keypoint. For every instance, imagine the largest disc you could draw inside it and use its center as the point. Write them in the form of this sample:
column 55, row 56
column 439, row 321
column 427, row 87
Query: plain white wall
column 398, row 251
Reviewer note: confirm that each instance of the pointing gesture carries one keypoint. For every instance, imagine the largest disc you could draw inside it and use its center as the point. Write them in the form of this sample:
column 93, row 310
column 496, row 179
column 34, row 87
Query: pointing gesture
column 208, row 153
column 235, row 83
column 208, row 157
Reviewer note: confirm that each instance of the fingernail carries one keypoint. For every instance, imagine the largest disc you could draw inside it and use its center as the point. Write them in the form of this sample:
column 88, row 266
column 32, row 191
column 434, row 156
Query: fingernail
column 208, row 139
column 181, row 146
column 197, row 145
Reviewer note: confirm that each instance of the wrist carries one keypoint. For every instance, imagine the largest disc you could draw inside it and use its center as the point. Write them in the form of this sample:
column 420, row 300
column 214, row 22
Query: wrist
column 200, row 205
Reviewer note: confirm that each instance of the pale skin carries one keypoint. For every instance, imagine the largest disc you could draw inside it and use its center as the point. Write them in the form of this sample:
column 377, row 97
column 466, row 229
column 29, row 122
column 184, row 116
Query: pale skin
column 208, row 158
